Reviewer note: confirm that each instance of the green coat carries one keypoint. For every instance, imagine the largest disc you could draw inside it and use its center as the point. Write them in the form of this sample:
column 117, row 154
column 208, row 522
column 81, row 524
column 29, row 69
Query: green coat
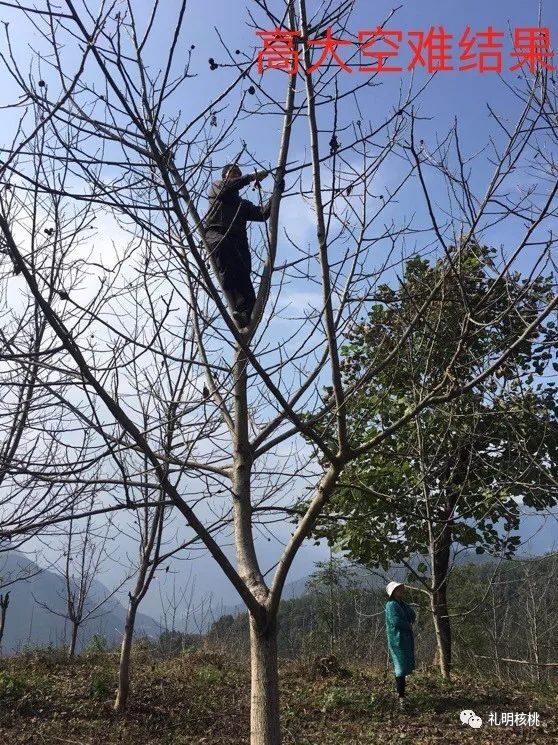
column 401, row 643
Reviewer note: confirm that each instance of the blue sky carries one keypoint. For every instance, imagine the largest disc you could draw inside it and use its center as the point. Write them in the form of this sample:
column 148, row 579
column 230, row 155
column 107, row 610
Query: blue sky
column 454, row 93
column 450, row 95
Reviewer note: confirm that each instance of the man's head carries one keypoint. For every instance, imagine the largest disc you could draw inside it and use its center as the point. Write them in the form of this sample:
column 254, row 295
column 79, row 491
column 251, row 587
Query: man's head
column 231, row 170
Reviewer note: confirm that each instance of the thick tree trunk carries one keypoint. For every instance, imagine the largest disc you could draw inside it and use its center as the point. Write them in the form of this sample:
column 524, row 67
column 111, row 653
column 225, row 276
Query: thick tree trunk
column 125, row 656
column 264, row 715
column 73, row 641
column 442, row 628
column 440, row 548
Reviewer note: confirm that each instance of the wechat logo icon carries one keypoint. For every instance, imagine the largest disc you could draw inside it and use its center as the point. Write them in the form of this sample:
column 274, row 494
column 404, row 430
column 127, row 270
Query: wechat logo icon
column 469, row 717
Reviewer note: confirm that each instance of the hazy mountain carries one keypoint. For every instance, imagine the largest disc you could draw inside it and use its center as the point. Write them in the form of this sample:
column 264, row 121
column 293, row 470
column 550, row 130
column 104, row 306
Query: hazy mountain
column 361, row 576
column 28, row 624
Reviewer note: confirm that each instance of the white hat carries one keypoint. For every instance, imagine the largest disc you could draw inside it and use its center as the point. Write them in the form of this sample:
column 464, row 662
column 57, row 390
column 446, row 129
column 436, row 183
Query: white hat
column 390, row 587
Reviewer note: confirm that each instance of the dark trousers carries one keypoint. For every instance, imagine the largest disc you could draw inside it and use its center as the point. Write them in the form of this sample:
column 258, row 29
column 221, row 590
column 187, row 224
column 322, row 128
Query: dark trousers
column 230, row 259
column 400, row 685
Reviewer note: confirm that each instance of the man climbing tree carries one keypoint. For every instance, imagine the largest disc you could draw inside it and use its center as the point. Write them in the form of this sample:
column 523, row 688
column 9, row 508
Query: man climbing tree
column 227, row 238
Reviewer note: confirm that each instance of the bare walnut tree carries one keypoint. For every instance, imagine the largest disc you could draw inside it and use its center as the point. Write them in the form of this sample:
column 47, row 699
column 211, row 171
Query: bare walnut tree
column 83, row 553
column 117, row 136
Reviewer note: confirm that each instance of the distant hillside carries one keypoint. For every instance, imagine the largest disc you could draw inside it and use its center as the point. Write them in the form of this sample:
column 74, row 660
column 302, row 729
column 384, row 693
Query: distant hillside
column 27, row 624
column 363, row 577
column 348, row 621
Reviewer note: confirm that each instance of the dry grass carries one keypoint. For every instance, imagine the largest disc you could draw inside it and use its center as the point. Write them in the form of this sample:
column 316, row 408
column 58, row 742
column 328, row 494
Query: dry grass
column 203, row 698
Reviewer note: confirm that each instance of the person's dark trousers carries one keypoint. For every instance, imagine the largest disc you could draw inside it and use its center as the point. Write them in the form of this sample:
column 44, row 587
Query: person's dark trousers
column 400, row 685
column 231, row 263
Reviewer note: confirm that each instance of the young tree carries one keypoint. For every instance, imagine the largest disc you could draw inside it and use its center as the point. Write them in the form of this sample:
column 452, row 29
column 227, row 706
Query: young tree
column 459, row 474
column 83, row 556
column 151, row 516
column 513, row 616
column 329, row 583
column 112, row 110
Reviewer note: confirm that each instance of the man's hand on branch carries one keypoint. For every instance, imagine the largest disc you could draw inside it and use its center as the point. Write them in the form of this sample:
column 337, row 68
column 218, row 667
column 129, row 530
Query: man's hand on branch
column 260, row 175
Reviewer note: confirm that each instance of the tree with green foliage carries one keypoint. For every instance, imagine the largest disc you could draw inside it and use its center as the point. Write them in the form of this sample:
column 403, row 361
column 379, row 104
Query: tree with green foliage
column 329, row 582
column 457, row 475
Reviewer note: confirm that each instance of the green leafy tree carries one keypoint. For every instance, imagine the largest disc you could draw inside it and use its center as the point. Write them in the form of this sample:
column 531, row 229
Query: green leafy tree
column 458, row 474
column 330, row 582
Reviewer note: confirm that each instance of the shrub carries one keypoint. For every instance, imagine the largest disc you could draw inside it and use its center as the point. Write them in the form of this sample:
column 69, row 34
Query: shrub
column 99, row 684
column 96, row 644
column 209, row 675
column 11, row 686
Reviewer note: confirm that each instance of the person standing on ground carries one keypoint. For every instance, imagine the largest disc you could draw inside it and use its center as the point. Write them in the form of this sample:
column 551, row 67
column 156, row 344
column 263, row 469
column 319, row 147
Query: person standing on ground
column 400, row 618
column 227, row 238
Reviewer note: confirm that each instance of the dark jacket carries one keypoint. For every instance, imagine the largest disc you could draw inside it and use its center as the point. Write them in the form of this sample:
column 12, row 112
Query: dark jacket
column 400, row 618
column 228, row 214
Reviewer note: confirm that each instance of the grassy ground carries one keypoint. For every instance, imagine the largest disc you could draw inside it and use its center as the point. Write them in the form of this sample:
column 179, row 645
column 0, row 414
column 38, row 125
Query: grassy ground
column 203, row 698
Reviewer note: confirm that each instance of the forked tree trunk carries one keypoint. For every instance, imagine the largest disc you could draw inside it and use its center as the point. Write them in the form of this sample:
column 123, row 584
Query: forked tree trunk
column 125, row 657
column 265, row 726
